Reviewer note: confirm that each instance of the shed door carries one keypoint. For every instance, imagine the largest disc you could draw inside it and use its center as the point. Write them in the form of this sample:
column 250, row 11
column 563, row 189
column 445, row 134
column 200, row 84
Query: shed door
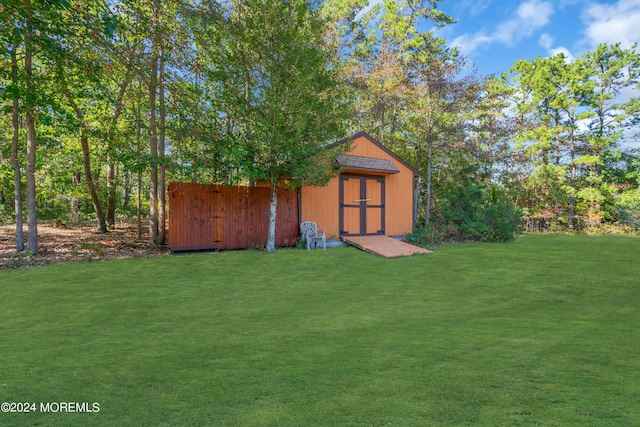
column 361, row 205
column 204, row 211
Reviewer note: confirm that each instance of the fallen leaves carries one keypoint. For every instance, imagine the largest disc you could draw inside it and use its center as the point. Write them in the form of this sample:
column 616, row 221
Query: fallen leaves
column 78, row 241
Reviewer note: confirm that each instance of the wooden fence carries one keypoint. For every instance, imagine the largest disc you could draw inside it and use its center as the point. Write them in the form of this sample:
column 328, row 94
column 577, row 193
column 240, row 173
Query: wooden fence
column 221, row 217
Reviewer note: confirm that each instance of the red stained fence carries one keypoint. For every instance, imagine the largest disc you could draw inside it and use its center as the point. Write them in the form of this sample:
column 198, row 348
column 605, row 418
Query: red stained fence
column 221, row 217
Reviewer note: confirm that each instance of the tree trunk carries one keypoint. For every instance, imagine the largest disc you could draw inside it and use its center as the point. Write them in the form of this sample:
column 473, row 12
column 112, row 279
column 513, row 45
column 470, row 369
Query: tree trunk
column 416, row 195
column 139, row 205
column 153, row 149
column 112, row 173
column 17, row 175
column 162, row 212
column 427, row 207
column 111, row 190
column 126, row 196
column 572, row 197
column 139, row 172
column 32, row 209
column 273, row 201
column 74, row 202
column 382, row 125
column 86, row 160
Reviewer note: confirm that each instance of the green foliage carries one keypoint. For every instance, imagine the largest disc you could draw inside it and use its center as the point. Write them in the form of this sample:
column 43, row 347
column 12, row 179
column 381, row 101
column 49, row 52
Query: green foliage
column 433, row 234
column 471, row 209
column 278, row 86
column 479, row 211
column 627, row 207
column 280, row 94
column 570, row 120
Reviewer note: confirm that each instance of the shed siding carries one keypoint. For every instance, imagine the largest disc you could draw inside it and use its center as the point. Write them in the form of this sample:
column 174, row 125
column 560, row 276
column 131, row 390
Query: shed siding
column 322, row 204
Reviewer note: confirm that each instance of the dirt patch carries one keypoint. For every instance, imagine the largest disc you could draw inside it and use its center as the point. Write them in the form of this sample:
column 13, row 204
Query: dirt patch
column 78, row 241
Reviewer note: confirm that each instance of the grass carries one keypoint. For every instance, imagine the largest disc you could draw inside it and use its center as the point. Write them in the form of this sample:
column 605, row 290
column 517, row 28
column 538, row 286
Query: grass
column 541, row 331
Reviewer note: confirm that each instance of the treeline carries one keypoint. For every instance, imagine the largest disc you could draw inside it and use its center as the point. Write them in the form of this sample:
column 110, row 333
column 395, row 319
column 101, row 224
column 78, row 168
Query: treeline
column 104, row 102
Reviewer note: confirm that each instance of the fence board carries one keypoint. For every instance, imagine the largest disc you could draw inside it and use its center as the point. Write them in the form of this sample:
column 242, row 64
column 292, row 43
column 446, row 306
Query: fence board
column 221, row 217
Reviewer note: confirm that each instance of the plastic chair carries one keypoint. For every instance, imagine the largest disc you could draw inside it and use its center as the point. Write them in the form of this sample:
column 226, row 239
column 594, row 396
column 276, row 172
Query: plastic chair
column 309, row 230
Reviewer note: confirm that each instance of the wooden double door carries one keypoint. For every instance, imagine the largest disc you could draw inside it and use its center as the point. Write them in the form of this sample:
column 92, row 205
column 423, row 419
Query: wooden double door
column 361, row 205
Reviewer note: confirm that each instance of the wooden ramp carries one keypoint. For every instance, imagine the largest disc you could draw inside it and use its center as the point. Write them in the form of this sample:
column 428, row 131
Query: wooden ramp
column 384, row 246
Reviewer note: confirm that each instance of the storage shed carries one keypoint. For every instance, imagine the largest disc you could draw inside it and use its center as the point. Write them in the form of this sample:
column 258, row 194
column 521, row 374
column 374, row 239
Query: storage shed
column 373, row 195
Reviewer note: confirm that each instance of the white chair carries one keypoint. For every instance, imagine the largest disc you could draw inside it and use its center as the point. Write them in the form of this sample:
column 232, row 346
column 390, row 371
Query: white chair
column 309, row 231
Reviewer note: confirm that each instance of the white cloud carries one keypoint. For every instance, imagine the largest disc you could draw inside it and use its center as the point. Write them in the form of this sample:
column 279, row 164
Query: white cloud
column 613, row 23
column 546, row 41
column 616, row 23
column 470, row 42
column 472, row 7
column 534, row 14
column 530, row 16
column 561, row 49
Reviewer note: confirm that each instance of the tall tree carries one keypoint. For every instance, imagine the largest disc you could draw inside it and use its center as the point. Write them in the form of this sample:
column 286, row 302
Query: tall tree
column 163, row 36
column 440, row 105
column 153, row 126
column 80, row 66
column 570, row 115
column 391, row 61
column 17, row 174
column 86, row 155
column 380, row 42
column 30, row 107
column 282, row 93
column 9, row 41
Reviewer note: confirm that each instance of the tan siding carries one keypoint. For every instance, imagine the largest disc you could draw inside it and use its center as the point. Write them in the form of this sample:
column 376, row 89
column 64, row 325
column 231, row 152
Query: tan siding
column 398, row 191
column 399, row 204
column 322, row 205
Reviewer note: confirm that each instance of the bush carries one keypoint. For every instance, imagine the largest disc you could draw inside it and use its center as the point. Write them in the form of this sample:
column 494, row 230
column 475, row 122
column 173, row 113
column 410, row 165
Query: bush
column 502, row 216
column 475, row 211
column 425, row 236
column 482, row 212
column 628, row 208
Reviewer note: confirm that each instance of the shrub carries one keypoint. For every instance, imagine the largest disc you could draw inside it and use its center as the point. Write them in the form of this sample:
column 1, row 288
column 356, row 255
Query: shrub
column 475, row 211
column 628, row 208
column 482, row 212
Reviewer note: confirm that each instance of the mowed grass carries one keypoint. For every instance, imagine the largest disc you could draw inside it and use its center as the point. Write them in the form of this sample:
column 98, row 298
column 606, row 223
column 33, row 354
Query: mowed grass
column 541, row 331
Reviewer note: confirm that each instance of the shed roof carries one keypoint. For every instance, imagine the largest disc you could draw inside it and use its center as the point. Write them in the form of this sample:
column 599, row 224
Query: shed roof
column 366, row 163
column 382, row 146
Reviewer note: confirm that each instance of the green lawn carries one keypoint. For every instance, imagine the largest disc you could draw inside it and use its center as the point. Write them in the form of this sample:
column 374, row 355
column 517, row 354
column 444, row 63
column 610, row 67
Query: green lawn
column 541, row 331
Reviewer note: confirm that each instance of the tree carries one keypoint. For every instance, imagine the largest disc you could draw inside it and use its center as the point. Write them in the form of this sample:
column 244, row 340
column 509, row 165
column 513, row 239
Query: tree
column 25, row 37
column 15, row 162
column 439, row 107
column 400, row 74
column 164, row 33
column 569, row 117
column 281, row 92
column 80, row 66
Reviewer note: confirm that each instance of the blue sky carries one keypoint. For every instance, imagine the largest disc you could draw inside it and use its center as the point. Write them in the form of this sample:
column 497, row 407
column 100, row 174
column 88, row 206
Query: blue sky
column 493, row 34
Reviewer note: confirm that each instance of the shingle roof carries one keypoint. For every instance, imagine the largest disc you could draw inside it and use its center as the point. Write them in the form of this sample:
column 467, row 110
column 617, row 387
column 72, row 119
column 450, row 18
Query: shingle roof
column 366, row 163
column 380, row 145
